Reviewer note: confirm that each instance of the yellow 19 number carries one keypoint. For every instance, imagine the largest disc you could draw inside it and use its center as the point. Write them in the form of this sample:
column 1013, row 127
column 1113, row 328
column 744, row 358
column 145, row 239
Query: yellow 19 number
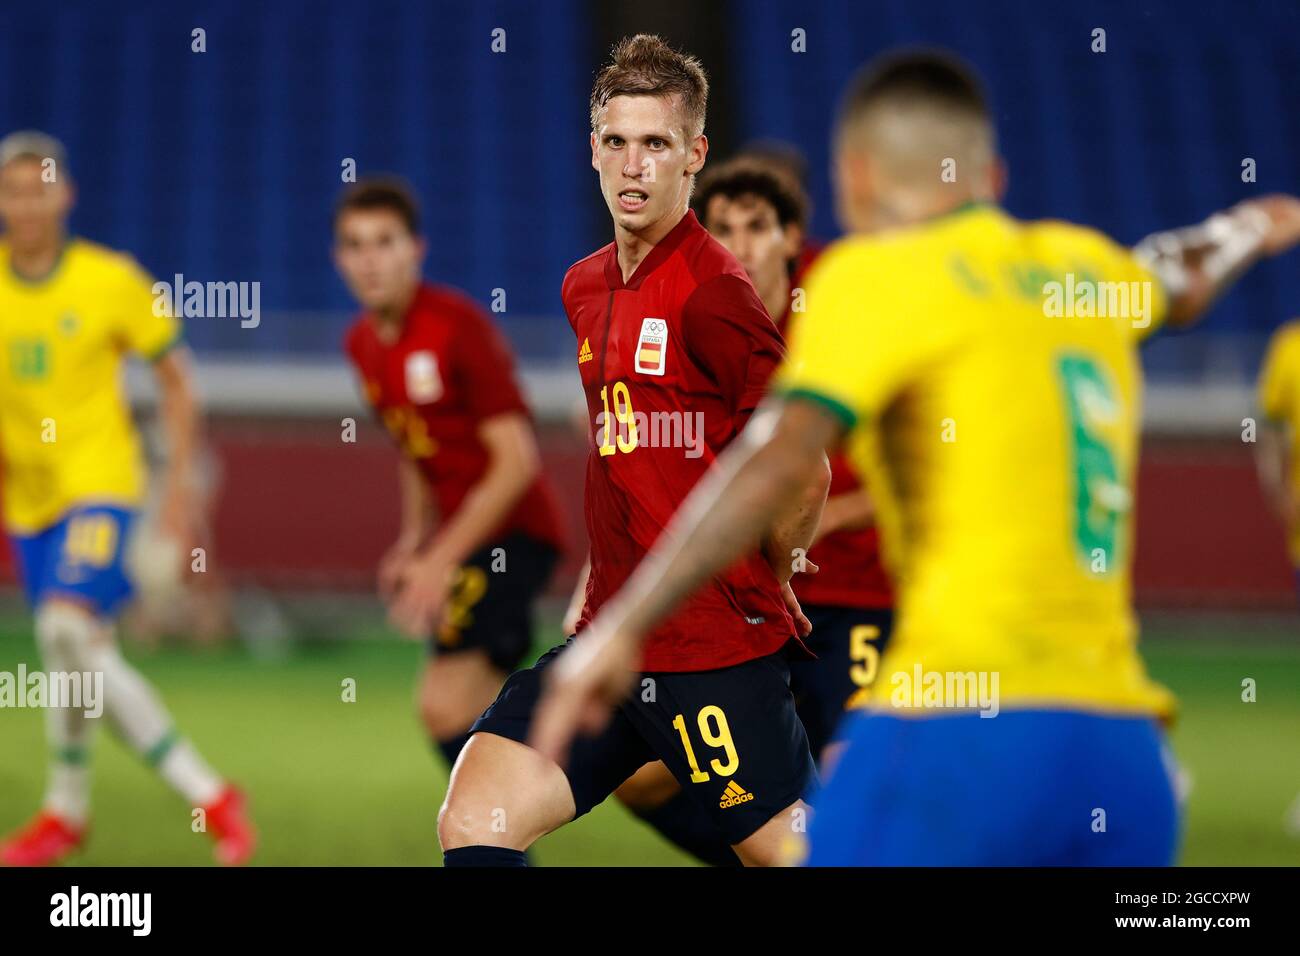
column 623, row 415
column 719, row 737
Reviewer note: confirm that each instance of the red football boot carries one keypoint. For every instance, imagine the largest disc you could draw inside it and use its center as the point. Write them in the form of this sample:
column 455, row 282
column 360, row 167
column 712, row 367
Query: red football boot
column 231, row 829
column 43, row 842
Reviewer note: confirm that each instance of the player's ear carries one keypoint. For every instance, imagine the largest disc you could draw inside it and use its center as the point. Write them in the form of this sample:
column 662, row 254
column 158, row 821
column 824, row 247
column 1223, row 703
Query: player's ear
column 792, row 241
column 699, row 151
column 595, row 160
column 421, row 248
column 998, row 177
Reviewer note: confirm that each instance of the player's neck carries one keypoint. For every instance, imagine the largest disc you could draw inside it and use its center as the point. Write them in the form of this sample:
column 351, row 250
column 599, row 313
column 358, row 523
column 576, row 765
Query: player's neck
column 777, row 297
column 34, row 263
column 633, row 247
column 907, row 208
column 390, row 319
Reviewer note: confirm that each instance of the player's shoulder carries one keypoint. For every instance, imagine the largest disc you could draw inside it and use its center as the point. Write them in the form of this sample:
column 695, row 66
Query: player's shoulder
column 93, row 260
column 1285, row 340
column 1073, row 238
column 707, row 259
column 438, row 297
column 586, row 274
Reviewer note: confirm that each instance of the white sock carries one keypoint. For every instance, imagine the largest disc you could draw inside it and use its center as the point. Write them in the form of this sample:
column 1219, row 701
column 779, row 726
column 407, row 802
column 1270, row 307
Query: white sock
column 190, row 775
column 138, row 713
column 68, row 731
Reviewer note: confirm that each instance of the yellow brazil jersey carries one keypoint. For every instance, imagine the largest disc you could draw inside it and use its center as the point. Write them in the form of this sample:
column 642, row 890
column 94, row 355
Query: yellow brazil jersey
column 992, row 391
column 66, row 435
column 1279, row 400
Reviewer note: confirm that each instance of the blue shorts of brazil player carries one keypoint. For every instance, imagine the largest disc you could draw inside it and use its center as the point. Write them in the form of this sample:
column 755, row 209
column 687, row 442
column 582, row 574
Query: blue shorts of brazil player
column 82, row 556
column 1024, row 788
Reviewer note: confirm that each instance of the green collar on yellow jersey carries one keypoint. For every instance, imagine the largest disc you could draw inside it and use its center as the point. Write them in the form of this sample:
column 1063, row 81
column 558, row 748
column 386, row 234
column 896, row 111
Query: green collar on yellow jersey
column 49, row 273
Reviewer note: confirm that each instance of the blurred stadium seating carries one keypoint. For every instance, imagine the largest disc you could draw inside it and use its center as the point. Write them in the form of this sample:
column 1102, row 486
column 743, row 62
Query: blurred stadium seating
column 223, row 166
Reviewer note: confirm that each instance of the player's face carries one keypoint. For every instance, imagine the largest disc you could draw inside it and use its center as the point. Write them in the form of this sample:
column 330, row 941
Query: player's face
column 377, row 256
column 752, row 232
column 645, row 160
column 33, row 211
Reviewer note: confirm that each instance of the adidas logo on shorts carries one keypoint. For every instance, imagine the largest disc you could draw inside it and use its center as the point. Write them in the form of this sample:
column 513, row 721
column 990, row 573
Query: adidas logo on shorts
column 734, row 794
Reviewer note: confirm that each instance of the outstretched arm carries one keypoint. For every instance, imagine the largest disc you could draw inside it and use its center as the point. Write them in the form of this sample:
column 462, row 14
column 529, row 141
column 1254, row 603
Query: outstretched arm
column 1198, row 263
column 756, row 481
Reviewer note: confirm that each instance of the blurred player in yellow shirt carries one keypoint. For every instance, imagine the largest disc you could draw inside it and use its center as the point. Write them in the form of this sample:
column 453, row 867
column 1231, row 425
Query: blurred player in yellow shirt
column 982, row 375
column 1279, row 401
column 72, row 479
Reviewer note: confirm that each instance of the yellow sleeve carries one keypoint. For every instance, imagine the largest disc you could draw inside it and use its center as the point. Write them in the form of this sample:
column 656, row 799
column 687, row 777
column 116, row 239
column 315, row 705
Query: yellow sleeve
column 1278, row 377
column 1123, row 266
column 142, row 320
column 865, row 334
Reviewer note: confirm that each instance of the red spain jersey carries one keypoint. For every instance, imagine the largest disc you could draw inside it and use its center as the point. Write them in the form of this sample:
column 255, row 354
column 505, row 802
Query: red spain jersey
column 448, row 371
column 850, row 573
column 673, row 362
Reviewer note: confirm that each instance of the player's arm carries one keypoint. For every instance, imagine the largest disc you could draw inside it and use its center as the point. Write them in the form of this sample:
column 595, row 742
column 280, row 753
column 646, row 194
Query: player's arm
column 850, row 511
column 1196, row 264
column 416, row 522
column 1273, row 452
column 174, row 376
column 573, row 612
column 513, row 464
column 1276, row 434
column 728, row 513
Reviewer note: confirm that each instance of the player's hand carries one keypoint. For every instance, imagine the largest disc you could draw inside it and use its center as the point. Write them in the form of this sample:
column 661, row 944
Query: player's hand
column 1283, row 212
column 176, row 518
column 393, row 564
column 425, row 581
column 581, row 689
column 792, row 605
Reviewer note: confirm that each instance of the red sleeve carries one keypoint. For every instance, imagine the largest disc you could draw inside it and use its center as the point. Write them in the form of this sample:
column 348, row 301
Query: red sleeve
column 729, row 334
column 485, row 367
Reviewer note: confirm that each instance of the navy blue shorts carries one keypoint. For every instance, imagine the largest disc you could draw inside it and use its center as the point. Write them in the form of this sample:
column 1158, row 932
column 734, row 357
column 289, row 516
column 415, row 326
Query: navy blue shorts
column 82, row 556
column 730, row 736
column 848, row 642
column 1024, row 788
column 491, row 603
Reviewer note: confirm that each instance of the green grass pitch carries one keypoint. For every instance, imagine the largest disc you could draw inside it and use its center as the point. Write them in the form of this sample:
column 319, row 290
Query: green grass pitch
column 356, row 783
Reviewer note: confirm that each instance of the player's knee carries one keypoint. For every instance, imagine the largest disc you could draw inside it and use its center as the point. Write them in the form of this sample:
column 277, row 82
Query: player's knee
column 66, row 633
column 502, row 793
column 443, row 718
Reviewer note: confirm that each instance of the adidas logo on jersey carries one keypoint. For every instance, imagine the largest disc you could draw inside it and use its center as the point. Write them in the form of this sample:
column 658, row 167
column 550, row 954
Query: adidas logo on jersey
column 734, row 795
column 584, row 353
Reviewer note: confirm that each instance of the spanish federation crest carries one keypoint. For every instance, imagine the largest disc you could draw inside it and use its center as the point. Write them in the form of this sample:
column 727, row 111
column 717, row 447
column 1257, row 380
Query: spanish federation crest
column 423, row 383
column 652, row 347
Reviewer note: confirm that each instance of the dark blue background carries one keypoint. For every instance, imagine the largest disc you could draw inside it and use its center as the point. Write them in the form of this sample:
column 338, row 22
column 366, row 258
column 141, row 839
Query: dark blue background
column 224, row 165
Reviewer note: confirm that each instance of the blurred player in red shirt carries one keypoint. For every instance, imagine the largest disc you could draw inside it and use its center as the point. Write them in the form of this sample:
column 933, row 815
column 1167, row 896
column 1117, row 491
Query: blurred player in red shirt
column 674, row 350
column 480, row 533
column 759, row 213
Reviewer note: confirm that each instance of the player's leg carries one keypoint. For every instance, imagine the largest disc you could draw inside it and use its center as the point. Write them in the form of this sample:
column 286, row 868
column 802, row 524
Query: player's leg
column 654, row 796
column 85, row 589
column 454, row 690
column 503, row 795
column 848, row 643
column 734, row 743
column 486, row 633
column 60, row 826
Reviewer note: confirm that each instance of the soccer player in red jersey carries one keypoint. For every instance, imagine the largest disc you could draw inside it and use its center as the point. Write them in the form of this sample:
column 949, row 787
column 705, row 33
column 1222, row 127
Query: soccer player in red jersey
column 480, row 532
column 759, row 212
column 674, row 350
